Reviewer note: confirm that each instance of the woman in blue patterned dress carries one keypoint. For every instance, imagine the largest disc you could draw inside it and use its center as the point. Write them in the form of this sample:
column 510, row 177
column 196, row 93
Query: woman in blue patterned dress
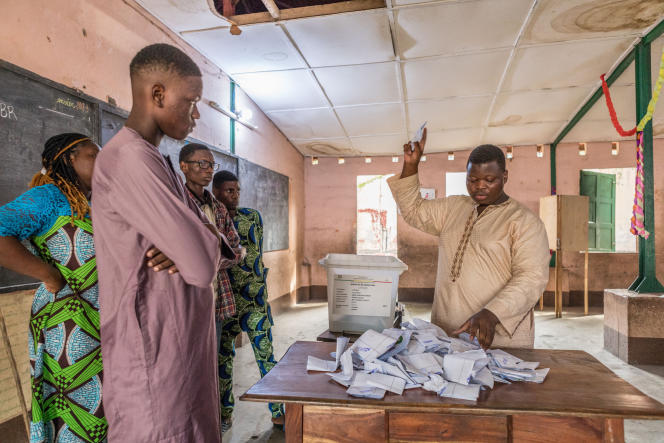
column 46, row 233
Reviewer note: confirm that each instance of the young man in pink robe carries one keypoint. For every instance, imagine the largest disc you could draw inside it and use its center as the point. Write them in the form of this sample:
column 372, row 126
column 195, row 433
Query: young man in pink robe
column 157, row 328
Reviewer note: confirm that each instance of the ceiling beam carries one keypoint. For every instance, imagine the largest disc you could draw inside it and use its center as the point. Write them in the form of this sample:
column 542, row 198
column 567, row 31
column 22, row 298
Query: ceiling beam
column 309, row 11
column 272, row 8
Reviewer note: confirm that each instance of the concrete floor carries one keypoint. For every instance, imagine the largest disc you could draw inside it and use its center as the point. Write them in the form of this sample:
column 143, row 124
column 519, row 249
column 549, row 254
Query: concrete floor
column 573, row 331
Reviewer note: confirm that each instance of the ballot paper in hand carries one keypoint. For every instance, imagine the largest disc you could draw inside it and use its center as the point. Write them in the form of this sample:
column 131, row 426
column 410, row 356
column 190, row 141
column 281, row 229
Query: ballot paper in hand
column 418, row 136
column 370, row 345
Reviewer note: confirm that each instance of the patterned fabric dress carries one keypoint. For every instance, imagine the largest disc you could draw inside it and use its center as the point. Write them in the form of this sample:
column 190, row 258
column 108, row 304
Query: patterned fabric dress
column 64, row 342
column 253, row 314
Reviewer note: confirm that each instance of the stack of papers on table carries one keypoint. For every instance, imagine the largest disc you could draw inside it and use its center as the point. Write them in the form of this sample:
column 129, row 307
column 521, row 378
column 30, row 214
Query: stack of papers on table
column 422, row 355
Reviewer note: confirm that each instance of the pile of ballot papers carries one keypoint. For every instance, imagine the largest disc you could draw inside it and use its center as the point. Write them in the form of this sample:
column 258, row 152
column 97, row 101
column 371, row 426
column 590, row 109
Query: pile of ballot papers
column 421, row 355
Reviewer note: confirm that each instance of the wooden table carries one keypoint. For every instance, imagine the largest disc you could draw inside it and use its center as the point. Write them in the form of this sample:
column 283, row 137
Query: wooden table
column 581, row 400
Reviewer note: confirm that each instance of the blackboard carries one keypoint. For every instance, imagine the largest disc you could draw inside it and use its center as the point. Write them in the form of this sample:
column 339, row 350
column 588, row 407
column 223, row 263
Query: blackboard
column 32, row 109
column 267, row 191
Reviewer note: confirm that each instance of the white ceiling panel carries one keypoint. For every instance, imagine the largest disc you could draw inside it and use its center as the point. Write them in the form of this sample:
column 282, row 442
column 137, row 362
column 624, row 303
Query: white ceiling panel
column 594, row 130
column 566, row 64
column 354, row 85
column 307, row 123
column 437, row 78
column 448, row 114
column 282, row 90
column 537, row 106
column 343, row 39
column 183, row 15
column 379, row 144
column 453, row 54
column 564, row 20
column 529, row 134
column 332, row 146
column 372, row 119
column 449, row 28
column 452, row 140
column 262, row 47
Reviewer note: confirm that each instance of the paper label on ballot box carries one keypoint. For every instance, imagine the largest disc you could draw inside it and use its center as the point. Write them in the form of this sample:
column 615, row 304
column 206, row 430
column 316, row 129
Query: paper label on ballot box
column 361, row 295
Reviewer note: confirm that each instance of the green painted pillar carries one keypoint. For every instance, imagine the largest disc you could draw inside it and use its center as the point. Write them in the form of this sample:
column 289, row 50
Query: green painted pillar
column 552, row 154
column 232, row 106
column 647, row 279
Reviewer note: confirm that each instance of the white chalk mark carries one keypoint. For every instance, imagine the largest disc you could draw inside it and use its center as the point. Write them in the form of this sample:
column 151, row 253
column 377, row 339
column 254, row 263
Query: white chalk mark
column 57, row 112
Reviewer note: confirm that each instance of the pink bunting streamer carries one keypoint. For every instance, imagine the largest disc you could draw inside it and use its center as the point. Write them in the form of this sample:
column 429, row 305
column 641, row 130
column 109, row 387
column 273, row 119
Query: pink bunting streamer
column 638, row 227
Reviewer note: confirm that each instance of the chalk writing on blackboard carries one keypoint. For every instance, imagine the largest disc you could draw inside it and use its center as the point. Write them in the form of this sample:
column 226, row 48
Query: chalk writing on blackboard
column 78, row 105
column 7, row 111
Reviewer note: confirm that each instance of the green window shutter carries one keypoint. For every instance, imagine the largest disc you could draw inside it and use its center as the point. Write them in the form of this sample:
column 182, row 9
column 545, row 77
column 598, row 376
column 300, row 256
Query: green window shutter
column 601, row 190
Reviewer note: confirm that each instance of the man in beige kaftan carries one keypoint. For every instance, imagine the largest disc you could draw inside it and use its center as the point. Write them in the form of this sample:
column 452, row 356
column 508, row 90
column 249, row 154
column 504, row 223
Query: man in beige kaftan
column 493, row 252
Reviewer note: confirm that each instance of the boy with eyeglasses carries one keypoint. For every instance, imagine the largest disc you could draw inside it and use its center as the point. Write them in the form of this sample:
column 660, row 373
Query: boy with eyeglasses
column 197, row 164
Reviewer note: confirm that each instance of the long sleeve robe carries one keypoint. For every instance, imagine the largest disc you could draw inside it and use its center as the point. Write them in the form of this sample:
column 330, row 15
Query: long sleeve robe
column 503, row 268
column 157, row 329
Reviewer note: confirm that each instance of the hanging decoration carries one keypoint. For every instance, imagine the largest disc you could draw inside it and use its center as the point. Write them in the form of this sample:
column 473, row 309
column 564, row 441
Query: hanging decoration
column 612, row 111
column 637, row 222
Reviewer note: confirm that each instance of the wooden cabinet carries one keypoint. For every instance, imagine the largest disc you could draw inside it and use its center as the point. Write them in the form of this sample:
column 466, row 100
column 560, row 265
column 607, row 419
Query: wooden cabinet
column 565, row 217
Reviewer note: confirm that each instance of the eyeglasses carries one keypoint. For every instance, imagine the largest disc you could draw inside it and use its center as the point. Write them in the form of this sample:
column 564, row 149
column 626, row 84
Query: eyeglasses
column 204, row 164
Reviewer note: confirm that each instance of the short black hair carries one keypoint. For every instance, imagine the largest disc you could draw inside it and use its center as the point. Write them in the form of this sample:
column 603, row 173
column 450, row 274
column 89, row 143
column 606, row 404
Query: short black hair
column 163, row 57
column 487, row 154
column 221, row 177
column 188, row 149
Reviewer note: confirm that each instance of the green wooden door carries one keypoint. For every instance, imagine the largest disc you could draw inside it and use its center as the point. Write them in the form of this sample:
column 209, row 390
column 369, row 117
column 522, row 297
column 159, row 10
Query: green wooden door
column 601, row 190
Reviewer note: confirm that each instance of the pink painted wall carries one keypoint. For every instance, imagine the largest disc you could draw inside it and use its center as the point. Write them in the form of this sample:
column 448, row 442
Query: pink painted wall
column 88, row 44
column 331, row 204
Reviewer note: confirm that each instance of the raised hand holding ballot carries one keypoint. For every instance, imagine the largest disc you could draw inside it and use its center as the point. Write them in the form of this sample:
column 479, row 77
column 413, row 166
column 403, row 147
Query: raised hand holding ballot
column 412, row 153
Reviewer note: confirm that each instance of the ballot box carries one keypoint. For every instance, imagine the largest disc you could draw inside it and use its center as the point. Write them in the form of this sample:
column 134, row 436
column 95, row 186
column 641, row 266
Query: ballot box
column 361, row 291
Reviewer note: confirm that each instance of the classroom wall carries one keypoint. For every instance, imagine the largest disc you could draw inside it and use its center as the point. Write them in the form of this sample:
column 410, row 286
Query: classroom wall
column 87, row 45
column 330, row 211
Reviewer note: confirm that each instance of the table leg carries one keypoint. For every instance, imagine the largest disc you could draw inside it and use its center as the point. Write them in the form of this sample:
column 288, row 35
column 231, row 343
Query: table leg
column 293, row 426
column 614, row 430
